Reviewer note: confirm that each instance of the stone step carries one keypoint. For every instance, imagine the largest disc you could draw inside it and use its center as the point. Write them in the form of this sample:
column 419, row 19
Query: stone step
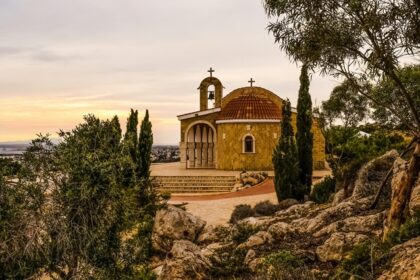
column 195, row 184
column 192, row 189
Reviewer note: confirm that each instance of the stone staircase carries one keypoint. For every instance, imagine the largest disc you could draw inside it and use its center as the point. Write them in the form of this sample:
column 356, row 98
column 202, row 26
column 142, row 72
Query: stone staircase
column 195, row 184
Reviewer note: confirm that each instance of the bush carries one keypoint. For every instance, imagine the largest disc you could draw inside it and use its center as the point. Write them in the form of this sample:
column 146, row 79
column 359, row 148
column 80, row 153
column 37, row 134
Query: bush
column 228, row 262
column 266, row 208
column 410, row 229
column 284, row 265
column 322, row 191
column 242, row 232
column 241, row 212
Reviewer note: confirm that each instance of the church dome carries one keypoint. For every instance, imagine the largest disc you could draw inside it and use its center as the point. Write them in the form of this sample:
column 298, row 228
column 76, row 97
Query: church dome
column 250, row 106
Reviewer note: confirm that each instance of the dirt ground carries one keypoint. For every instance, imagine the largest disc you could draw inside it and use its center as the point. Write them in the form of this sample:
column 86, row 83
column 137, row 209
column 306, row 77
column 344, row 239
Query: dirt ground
column 216, row 209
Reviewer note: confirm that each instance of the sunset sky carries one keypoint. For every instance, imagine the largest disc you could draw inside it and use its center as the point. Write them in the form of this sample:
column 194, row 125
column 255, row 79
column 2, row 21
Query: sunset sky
column 60, row 60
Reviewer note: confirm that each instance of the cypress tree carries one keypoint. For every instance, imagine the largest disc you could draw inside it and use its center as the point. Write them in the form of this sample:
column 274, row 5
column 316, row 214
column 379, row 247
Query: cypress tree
column 130, row 137
column 145, row 147
column 285, row 160
column 304, row 136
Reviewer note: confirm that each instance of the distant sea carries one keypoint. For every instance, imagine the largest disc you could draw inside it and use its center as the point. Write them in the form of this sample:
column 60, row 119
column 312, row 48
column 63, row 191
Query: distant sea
column 12, row 149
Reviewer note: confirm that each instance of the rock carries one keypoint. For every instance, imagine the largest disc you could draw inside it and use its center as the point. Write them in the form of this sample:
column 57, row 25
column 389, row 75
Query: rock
column 173, row 224
column 211, row 250
column 414, row 204
column 250, row 181
column 258, row 239
column 250, row 255
column 360, row 224
column 405, row 263
column 258, row 222
column 341, row 211
column 371, row 175
column 207, row 236
column 297, row 211
column 281, row 230
column 254, row 264
column 185, row 261
column 237, row 187
column 335, row 247
column 338, row 197
column 286, row 203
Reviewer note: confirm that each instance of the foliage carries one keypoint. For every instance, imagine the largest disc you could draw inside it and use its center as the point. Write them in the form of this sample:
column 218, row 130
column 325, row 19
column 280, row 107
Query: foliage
column 228, row 261
column 304, row 136
column 145, row 147
column 9, row 167
column 361, row 41
column 369, row 258
column 322, row 191
column 284, row 265
column 75, row 210
column 242, row 232
column 387, row 90
column 240, row 212
column 285, row 161
column 266, row 208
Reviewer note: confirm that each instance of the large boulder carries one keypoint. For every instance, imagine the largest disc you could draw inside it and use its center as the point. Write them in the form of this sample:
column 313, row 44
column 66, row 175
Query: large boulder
column 173, row 223
column 361, row 224
column 335, row 247
column 405, row 263
column 371, row 175
column 185, row 261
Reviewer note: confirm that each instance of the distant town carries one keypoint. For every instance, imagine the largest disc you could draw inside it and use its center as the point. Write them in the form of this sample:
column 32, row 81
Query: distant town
column 160, row 153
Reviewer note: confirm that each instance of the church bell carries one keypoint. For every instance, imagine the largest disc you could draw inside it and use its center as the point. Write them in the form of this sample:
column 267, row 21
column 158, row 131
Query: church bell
column 211, row 95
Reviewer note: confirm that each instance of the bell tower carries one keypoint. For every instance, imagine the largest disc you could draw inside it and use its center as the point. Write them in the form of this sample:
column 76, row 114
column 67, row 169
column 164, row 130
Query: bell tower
column 206, row 95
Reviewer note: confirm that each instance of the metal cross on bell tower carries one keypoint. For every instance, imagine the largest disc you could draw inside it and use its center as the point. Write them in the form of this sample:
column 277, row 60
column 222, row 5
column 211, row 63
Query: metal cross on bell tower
column 211, row 71
column 251, row 81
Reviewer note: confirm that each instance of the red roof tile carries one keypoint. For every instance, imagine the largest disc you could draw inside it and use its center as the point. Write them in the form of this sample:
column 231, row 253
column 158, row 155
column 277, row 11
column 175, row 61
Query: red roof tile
column 250, row 106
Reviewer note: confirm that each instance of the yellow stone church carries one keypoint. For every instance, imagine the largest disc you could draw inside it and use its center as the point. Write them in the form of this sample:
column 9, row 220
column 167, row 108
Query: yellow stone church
column 239, row 132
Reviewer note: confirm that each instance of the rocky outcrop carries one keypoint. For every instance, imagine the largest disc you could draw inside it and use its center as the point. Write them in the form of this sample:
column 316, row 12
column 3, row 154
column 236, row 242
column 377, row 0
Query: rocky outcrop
column 185, row 261
column 369, row 224
column 173, row 224
column 405, row 263
column 335, row 248
column 371, row 175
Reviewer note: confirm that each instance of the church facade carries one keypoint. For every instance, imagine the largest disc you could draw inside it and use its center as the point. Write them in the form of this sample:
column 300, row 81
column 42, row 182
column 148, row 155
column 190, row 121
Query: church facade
column 240, row 132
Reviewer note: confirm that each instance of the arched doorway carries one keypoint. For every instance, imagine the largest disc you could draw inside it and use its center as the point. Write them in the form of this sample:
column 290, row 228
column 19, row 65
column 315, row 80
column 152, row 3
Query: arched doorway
column 201, row 144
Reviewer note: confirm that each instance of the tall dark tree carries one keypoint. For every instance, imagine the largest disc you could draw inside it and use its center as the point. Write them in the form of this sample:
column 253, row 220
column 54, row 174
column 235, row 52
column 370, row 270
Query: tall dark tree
column 362, row 41
column 145, row 147
column 304, row 136
column 130, row 137
column 285, row 160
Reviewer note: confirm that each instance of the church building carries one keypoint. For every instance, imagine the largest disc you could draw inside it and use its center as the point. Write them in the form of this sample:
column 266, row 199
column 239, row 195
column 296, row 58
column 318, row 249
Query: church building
column 238, row 131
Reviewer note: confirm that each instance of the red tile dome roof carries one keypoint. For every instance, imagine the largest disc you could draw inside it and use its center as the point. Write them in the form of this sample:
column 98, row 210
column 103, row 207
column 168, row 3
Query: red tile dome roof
column 250, row 106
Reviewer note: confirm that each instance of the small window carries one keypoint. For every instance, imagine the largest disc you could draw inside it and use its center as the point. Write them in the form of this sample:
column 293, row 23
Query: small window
column 249, row 144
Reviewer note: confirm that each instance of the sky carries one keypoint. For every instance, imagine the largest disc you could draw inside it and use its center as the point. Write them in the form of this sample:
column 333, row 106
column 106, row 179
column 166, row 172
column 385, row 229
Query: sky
column 61, row 60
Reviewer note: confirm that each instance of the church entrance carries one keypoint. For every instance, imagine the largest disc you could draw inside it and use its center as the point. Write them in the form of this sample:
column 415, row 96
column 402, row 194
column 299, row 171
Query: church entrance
column 200, row 151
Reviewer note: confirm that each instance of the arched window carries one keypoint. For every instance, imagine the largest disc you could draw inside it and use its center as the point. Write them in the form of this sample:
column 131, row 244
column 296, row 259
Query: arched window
column 249, row 144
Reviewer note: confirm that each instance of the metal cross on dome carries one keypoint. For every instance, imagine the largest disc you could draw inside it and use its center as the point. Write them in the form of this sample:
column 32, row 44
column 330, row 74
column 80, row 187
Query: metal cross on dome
column 211, row 71
column 251, row 81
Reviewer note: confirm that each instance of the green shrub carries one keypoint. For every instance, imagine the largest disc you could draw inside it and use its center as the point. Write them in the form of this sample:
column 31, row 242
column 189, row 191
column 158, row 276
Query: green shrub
column 322, row 191
column 241, row 212
column 266, row 208
column 410, row 229
column 364, row 261
column 228, row 262
column 284, row 265
column 242, row 232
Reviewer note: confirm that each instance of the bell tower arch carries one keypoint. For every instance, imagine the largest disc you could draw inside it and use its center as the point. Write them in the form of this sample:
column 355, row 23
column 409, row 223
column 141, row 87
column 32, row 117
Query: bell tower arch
column 205, row 94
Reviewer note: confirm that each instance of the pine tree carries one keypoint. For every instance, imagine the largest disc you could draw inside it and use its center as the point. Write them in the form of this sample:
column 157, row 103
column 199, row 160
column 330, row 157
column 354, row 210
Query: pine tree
column 285, row 160
column 304, row 136
column 145, row 147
